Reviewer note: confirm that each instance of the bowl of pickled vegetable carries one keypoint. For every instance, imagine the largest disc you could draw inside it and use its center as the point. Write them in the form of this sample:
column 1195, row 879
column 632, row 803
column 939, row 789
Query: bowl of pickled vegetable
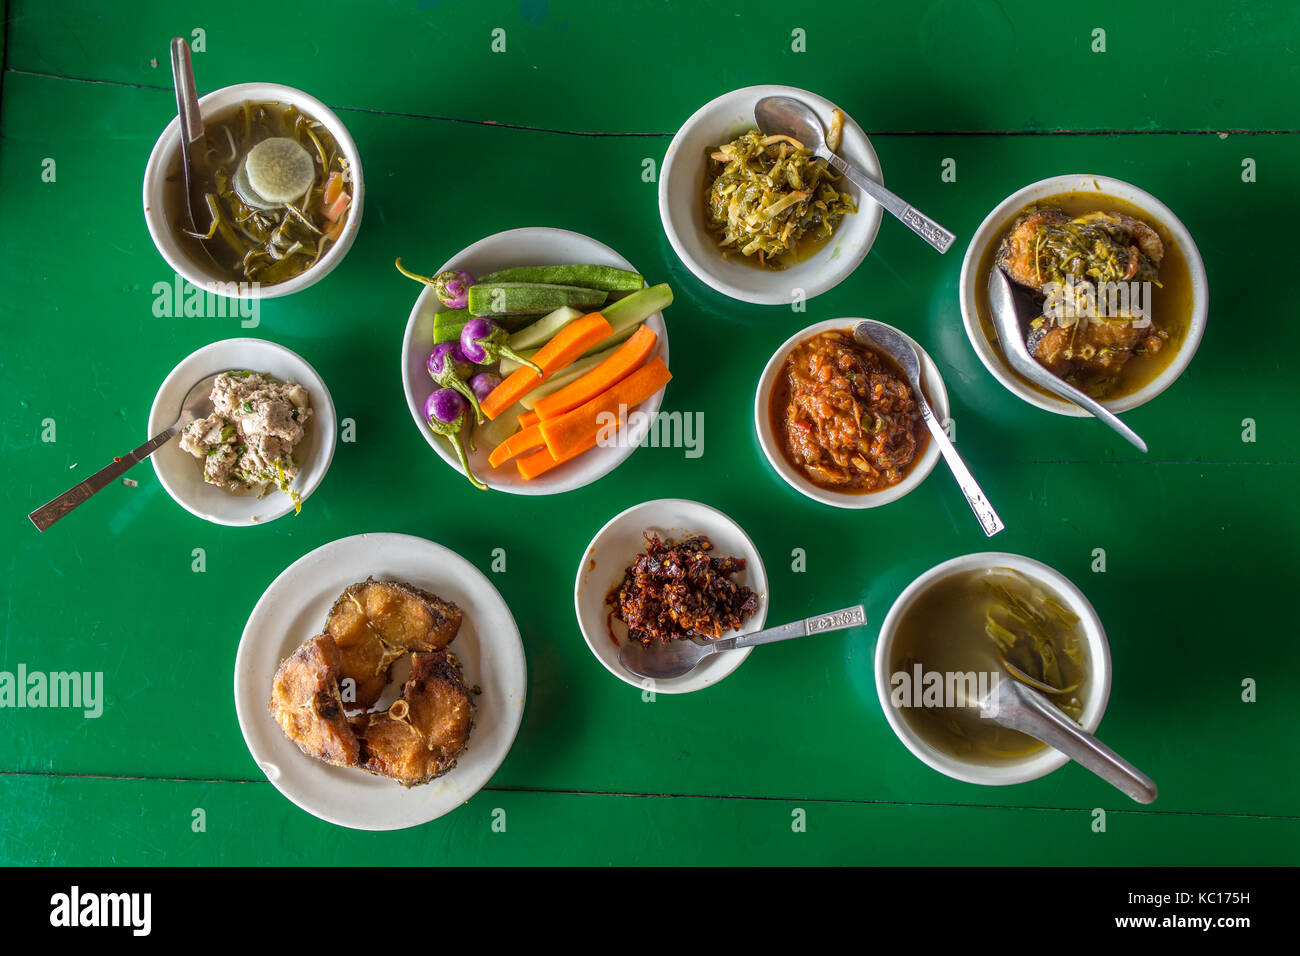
column 276, row 198
column 759, row 218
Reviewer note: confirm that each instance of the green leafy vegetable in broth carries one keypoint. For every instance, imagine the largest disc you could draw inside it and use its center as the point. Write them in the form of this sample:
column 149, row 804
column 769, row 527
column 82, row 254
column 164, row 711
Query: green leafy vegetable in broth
column 276, row 189
column 1037, row 638
column 768, row 196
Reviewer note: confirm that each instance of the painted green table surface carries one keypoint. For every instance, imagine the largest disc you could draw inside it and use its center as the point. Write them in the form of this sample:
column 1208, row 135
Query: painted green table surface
column 458, row 142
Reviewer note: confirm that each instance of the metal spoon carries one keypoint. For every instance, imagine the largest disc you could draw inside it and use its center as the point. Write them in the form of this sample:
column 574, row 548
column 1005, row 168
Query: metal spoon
column 676, row 658
column 786, row 116
column 187, row 109
column 1012, row 705
column 197, row 404
column 879, row 336
column 1014, row 307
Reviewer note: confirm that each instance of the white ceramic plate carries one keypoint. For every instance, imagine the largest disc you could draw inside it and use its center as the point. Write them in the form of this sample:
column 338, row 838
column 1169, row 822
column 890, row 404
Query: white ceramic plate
column 294, row 609
column 995, row 226
column 931, row 381
column 531, row 246
column 161, row 162
column 181, row 474
column 607, row 558
column 1041, row 762
column 681, row 208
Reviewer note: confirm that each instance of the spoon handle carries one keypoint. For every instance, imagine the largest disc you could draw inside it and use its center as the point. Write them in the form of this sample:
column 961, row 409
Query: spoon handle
column 187, row 99
column 1097, row 409
column 1036, row 716
column 47, row 514
column 975, row 497
column 834, row 621
column 921, row 224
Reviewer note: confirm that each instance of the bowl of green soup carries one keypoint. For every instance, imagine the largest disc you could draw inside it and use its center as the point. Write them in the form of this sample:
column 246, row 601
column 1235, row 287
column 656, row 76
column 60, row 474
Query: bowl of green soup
column 966, row 624
column 277, row 193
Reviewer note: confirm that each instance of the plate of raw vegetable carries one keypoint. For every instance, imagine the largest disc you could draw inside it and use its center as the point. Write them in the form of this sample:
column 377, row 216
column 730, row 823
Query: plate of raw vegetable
column 535, row 360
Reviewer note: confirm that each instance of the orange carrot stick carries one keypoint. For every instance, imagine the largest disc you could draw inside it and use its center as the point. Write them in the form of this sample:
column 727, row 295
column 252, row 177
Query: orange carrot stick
column 527, row 419
column 578, row 430
column 525, row 439
column 562, row 350
column 627, row 358
column 535, row 463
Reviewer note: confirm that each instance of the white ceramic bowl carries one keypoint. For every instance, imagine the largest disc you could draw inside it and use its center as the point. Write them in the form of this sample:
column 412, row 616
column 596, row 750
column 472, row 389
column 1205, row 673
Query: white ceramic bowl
column 294, row 608
column 995, row 226
column 531, row 246
column 181, row 474
column 935, row 392
column 163, row 157
column 611, row 551
column 1043, row 761
column 681, row 204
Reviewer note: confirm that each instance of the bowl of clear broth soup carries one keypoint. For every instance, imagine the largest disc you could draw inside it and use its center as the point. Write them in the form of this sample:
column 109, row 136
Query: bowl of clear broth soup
column 966, row 624
column 1121, row 284
column 278, row 188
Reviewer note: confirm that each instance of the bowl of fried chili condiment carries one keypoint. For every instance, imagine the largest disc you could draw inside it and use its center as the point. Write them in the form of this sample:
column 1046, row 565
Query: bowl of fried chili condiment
column 677, row 591
column 840, row 423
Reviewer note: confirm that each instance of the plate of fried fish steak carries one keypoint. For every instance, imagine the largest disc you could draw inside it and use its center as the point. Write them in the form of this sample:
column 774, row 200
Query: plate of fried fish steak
column 380, row 681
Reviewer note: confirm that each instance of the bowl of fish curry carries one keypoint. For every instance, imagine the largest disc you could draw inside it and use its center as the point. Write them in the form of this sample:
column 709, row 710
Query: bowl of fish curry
column 1120, row 286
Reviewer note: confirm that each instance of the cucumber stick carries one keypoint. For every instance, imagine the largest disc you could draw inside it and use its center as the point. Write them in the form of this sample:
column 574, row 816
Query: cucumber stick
column 634, row 309
column 495, row 299
column 540, row 332
column 606, row 278
column 624, row 315
column 494, row 431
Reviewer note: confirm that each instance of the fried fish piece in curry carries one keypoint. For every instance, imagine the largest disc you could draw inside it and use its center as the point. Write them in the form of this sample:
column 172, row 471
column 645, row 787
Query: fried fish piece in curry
column 1092, row 352
column 376, row 622
column 423, row 733
column 1045, row 245
column 305, row 702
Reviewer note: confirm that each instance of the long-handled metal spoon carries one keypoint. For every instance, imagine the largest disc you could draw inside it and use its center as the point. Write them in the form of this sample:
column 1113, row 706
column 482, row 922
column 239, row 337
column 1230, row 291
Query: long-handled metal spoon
column 674, row 659
column 1014, row 705
column 786, row 116
column 197, row 404
column 187, row 109
column 1013, row 309
column 877, row 335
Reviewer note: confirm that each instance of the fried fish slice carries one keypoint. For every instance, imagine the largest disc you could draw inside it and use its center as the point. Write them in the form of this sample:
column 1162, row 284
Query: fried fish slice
column 375, row 622
column 425, row 731
column 305, row 703
column 1045, row 245
column 1018, row 255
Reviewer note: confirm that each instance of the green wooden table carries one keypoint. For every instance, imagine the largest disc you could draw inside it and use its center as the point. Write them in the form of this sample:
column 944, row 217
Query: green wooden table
column 460, row 142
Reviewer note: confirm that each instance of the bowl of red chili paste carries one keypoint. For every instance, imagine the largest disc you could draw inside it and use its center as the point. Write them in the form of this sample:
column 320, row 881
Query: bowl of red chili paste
column 718, row 589
column 838, row 421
